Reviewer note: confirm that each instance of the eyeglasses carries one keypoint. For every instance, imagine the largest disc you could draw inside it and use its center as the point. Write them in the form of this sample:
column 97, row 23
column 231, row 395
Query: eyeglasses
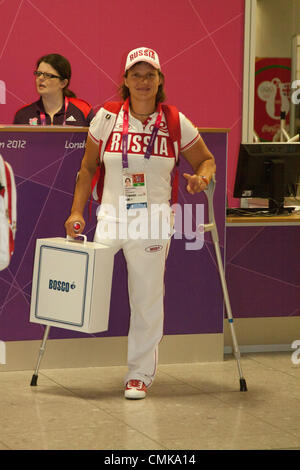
column 46, row 75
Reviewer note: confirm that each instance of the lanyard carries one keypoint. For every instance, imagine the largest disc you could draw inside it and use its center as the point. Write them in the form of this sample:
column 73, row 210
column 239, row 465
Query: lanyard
column 43, row 116
column 125, row 134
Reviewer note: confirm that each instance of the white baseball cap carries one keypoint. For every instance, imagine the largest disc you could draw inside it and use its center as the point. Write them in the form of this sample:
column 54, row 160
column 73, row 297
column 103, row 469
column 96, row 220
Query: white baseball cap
column 142, row 54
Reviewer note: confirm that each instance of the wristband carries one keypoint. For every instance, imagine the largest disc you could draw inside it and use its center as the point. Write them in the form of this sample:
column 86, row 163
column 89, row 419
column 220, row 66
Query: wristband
column 205, row 179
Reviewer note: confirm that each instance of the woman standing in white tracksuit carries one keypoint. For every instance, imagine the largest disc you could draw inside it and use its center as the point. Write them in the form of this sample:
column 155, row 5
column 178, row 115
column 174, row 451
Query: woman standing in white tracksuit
column 139, row 154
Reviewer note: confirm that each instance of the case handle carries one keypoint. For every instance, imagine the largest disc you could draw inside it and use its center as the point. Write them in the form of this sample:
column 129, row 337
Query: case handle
column 71, row 239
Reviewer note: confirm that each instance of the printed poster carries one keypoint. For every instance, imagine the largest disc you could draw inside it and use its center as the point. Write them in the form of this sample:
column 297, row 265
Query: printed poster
column 271, row 96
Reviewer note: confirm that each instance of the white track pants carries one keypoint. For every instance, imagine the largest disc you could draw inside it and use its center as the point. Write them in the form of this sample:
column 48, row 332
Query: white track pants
column 146, row 268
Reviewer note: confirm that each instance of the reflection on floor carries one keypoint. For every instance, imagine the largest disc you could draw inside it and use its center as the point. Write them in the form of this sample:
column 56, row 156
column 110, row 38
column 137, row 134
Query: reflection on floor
column 189, row 406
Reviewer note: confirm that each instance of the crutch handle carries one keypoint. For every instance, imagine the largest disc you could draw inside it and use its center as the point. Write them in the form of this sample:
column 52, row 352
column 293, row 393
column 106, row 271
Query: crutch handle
column 76, row 226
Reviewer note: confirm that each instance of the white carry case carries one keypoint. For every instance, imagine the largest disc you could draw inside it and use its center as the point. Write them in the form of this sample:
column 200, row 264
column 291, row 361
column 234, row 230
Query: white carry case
column 71, row 284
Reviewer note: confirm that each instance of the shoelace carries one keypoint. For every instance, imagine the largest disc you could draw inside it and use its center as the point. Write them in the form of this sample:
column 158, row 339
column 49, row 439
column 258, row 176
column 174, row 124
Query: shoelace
column 135, row 384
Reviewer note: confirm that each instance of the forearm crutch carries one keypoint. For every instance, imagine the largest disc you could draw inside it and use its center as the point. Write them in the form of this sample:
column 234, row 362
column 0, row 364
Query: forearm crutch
column 33, row 382
column 211, row 227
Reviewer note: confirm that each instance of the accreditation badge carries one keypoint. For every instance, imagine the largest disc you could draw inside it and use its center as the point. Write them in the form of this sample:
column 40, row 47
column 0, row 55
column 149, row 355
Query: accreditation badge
column 135, row 191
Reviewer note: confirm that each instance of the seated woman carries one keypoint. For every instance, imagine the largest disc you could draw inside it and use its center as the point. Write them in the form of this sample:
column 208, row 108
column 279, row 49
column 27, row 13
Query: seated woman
column 57, row 104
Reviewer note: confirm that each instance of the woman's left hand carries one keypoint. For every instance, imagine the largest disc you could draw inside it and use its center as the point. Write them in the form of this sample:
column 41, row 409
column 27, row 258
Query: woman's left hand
column 195, row 183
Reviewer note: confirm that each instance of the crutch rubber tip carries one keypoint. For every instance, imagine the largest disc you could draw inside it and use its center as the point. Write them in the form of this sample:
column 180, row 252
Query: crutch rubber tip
column 33, row 382
column 243, row 385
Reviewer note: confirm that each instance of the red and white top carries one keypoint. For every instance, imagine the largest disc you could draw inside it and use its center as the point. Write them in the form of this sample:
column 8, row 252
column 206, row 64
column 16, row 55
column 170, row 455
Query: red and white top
column 157, row 169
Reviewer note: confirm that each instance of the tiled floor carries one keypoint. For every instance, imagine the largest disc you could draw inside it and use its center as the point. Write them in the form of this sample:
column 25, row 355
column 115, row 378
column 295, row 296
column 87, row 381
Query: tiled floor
column 190, row 406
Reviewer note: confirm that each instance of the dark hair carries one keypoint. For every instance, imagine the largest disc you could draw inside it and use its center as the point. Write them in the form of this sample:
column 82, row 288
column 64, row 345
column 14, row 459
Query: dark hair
column 160, row 95
column 63, row 68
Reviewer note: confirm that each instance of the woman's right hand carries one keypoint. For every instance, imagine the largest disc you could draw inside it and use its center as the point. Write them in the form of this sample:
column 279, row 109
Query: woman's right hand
column 75, row 218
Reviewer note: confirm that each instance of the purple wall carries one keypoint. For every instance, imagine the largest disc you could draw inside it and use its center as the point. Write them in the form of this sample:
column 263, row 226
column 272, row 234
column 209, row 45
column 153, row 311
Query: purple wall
column 263, row 271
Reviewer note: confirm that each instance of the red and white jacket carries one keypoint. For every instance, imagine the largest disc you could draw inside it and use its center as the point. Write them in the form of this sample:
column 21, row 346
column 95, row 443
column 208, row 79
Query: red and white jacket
column 176, row 133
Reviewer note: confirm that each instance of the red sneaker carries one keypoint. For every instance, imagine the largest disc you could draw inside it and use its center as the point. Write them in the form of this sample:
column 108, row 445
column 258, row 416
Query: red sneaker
column 135, row 389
